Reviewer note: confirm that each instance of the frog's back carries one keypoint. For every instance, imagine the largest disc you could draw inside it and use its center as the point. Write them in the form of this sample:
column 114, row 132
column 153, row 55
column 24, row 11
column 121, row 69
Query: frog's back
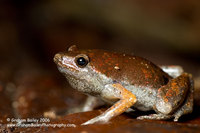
column 127, row 69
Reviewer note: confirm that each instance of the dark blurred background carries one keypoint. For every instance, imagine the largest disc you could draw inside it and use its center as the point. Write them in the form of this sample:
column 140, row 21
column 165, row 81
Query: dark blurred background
column 33, row 31
column 166, row 32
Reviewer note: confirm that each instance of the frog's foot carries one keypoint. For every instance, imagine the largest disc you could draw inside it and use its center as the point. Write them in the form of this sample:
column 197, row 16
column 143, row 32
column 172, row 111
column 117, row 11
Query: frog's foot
column 114, row 92
column 185, row 109
column 102, row 119
column 98, row 120
column 155, row 117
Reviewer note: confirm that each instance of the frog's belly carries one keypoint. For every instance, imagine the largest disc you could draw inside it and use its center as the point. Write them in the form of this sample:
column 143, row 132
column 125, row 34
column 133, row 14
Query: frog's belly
column 146, row 97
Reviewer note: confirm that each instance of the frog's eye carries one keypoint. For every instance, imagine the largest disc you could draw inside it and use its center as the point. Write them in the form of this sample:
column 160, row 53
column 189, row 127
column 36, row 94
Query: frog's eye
column 82, row 60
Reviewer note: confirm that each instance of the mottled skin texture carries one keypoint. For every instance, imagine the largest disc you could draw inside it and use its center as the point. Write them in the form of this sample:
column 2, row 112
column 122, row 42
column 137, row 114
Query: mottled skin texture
column 126, row 81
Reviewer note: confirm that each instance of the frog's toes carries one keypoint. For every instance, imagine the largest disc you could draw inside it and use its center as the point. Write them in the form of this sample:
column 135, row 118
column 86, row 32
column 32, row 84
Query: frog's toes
column 155, row 117
column 146, row 117
column 142, row 117
column 98, row 119
column 176, row 118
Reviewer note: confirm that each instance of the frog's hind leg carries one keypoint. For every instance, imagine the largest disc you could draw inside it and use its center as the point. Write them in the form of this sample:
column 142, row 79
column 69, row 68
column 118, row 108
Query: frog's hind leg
column 188, row 103
column 173, row 99
column 187, row 107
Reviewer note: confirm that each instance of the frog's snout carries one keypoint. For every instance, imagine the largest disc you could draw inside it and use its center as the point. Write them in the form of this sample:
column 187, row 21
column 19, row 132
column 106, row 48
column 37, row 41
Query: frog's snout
column 57, row 58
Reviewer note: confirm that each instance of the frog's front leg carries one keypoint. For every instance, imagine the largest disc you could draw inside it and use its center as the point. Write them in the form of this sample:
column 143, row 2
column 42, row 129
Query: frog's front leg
column 114, row 92
column 90, row 103
column 174, row 99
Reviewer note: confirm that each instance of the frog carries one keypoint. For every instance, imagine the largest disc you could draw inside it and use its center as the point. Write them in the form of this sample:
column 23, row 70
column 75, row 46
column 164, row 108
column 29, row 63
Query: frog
column 126, row 82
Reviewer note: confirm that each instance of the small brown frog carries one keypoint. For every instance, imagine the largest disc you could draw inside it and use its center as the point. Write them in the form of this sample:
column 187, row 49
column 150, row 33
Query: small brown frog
column 126, row 82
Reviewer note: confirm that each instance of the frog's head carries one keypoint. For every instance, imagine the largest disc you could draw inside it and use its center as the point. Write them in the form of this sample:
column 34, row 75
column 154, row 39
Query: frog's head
column 79, row 67
column 72, row 62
